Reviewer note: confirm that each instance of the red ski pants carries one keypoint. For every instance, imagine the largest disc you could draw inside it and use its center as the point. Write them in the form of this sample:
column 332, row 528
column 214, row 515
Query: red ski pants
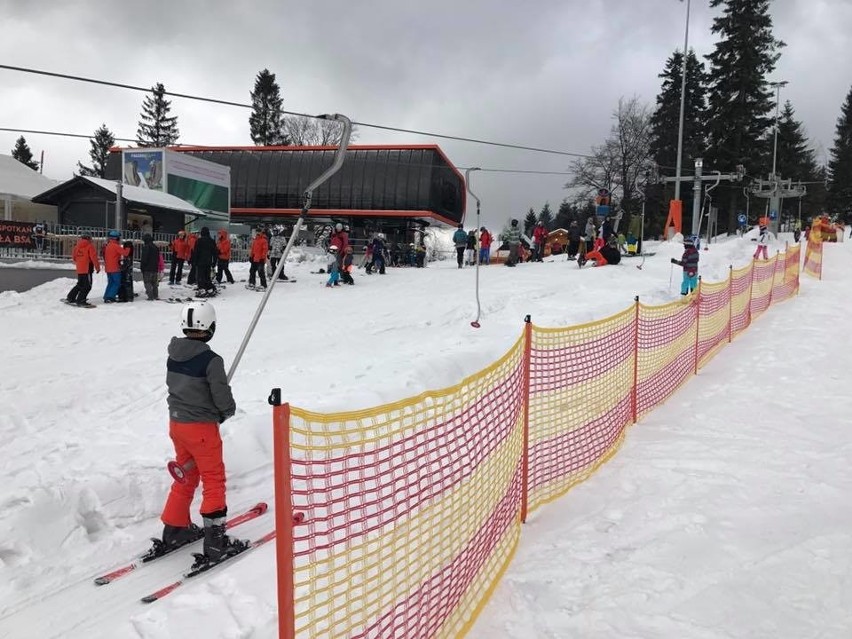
column 200, row 442
column 597, row 257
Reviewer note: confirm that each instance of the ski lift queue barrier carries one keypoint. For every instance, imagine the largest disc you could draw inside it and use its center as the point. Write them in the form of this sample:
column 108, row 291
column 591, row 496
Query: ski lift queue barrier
column 413, row 510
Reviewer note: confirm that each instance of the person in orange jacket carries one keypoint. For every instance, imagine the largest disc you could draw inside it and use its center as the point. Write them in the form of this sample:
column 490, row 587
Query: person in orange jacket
column 86, row 260
column 257, row 258
column 192, row 278
column 223, row 248
column 180, row 252
column 113, row 252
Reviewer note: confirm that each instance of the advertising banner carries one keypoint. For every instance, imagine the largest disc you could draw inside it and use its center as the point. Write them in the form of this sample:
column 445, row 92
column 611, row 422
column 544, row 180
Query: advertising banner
column 17, row 235
column 143, row 169
column 205, row 184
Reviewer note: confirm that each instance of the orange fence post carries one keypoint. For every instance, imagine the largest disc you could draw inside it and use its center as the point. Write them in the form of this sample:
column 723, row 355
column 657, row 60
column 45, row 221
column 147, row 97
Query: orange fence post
column 730, row 302
column 697, row 317
column 634, row 400
column 525, row 459
column 283, row 516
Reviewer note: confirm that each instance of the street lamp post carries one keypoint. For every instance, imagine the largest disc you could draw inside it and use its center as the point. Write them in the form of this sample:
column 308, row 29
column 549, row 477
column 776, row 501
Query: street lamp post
column 682, row 105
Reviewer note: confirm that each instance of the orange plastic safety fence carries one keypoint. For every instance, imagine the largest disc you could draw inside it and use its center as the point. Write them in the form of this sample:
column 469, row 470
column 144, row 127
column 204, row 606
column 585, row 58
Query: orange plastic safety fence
column 741, row 280
column 761, row 287
column 787, row 276
column 813, row 260
column 581, row 381
column 713, row 319
column 412, row 509
column 666, row 352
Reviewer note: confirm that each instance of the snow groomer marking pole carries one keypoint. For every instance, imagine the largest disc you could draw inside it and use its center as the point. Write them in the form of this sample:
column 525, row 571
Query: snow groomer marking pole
column 478, row 249
column 177, row 471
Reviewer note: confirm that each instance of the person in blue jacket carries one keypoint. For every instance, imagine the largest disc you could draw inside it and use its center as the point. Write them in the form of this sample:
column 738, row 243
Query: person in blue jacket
column 460, row 241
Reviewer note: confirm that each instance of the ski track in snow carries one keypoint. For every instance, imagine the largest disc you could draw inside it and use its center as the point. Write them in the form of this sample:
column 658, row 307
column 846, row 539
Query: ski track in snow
column 668, row 539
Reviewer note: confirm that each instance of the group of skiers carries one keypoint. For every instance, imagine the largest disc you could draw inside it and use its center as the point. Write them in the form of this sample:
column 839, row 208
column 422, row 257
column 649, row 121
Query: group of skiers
column 118, row 265
column 466, row 246
column 203, row 254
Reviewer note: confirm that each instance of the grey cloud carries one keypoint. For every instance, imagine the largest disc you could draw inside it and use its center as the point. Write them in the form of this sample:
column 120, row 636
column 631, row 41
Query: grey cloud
column 544, row 73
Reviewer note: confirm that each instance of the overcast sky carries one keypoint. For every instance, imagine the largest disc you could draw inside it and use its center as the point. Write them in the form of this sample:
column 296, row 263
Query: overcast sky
column 542, row 73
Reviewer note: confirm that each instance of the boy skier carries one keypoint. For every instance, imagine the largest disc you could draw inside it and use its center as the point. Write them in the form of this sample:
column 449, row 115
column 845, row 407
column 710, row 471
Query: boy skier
column 333, row 267
column 689, row 263
column 199, row 400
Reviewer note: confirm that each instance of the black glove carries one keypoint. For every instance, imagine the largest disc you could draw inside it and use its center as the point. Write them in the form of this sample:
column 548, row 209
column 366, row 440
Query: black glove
column 674, row 261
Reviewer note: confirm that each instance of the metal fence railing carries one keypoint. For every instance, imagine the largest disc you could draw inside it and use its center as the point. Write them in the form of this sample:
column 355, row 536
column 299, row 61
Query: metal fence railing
column 58, row 241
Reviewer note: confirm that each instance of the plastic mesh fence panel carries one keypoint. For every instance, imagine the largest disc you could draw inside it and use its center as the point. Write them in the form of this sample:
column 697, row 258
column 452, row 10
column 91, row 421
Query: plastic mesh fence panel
column 412, row 509
column 740, row 299
column 813, row 260
column 580, row 401
column 713, row 314
column 789, row 284
column 666, row 352
column 761, row 286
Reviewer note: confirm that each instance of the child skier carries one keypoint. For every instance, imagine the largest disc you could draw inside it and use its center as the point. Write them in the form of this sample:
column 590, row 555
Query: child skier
column 346, row 271
column 689, row 263
column 333, row 267
column 762, row 241
column 199, row 400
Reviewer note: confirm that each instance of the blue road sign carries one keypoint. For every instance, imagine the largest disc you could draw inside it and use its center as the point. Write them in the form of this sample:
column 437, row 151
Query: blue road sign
column 773, row 214
column 741, row 218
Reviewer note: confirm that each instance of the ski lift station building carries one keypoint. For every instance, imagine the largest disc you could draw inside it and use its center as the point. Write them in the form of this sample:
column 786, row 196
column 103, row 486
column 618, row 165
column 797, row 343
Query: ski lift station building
column 395, row 189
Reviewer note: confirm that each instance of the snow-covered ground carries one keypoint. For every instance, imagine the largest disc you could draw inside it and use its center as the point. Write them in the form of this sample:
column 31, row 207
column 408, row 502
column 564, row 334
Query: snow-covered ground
column 724, row 514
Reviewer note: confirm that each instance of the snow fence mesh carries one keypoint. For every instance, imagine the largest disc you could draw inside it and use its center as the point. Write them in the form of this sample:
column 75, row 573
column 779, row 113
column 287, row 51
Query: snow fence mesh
column 813, row 260
column 412, row 510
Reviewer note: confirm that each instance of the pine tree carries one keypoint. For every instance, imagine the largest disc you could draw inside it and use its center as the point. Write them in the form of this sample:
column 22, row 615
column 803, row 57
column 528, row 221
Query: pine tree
column 529, row 221
column 840, row 164
column 565, row 215
column 266, row 122
column 665, row 121
column 546, row 216
column 740, row 101
column 157, row 127
column 23, row 154
column 795, row 159
column 101, row 143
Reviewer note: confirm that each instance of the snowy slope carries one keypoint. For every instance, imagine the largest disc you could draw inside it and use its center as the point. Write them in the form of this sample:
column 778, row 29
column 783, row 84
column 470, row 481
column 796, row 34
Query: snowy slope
column 85, row 431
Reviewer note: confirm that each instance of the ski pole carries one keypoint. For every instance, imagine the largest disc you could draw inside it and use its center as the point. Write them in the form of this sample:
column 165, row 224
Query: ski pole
column 475, row 323
column 671, row 275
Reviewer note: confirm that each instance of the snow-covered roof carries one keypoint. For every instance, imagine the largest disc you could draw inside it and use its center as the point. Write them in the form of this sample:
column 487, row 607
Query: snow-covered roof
column 148, row 196
column 20, row 181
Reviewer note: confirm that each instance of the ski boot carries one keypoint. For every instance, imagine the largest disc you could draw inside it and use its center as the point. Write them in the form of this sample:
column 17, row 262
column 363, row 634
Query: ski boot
column 217, row 545
column 174, row 537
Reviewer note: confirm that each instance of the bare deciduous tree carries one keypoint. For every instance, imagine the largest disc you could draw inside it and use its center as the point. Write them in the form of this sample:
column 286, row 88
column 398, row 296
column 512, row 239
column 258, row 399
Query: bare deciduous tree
column 303, row 131
column 619, row 164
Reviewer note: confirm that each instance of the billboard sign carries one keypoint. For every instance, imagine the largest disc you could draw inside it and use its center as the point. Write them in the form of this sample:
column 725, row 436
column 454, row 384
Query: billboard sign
column 206, row 185
column 143, row 169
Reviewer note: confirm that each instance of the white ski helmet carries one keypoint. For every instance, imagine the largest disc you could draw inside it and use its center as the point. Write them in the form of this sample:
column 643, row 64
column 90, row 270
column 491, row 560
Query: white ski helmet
column 198, row 316
column 338, row 227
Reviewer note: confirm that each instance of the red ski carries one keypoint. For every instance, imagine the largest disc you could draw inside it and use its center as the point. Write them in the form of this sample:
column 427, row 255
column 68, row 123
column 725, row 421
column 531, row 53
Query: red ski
column 195, row 571
column 201, row 566
column 143, row 560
